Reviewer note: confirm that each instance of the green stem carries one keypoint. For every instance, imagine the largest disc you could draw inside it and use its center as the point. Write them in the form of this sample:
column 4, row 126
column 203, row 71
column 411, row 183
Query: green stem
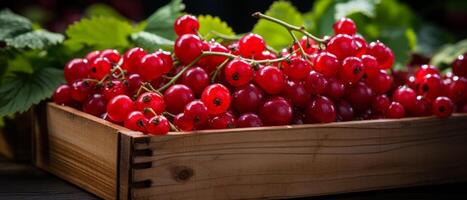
column 296, row 41
column 224, row 36
column 218, row 69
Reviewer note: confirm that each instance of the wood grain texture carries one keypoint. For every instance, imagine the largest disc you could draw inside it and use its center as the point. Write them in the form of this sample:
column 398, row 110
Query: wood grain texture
column 308, row 160
column 79, row 148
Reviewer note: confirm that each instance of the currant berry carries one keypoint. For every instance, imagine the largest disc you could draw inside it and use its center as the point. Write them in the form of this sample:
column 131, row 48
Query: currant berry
column 276, row 111
column 315, row 83
column 457, row 90
column 395, row 111
column 136, row 121
column 195, row 78
column 251, row 45
column 344, row 26
column 111, row 54
column 113, row 88
column 210, row 63
column 266, row 55
column 360, row 96
column 217, row 98
column 249, row 120
column 238, row 72
column 247, row 98
column 431, row 86
column 307, row 44
column 95, row 105
column 335, row 89
column 187, row 48
column 150, row 67
column 405, row 96
column 186, row 24
column 91, row 56
column 297, row 70
column 76, row 69
column 351, row 71
column 361, row 44
column 197, row 111
column 62, row 95
column 370, row 66
column 158, row 125
column 222, row 121
column 150, row 100
column 423, row 71
column 119, row 107
column 132, row 58
column 134, row 82
column 327, row 64
column 342, row 46
column 166, row 59
column 344, row 111
column 295, row 91
column 270, row 79
column 380, row 83
column 383, row 54
column 421, row 107
column 321, row 110
column 183, row 122
column 176, row 97
column 381, row 103
column 81, row 90
column 459, row 66
column 443, row 107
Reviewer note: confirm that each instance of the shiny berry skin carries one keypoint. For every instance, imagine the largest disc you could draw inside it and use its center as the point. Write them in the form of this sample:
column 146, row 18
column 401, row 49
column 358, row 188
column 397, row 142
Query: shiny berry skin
column 136, row 121
column 76, row 69
column 221, row 121
column 321, row 110
column 251, row 45
column 457, row 90
column 327, row 64
column 249, row 120
column 217, row 98
column 187, row 48
column 380, row 82
column 307, row 44
column 431, row 86
column 134, row 82
column 361, row 44
column 342, row 46
column 62, row 95
column 158, row 125
column 297, row 70
column 266, row 55
column 360, row 96
column 132, row 58
column 423, row 71
column 195, row 78
column 186, row 24
column 176, row 97
column 197, row 111
column 210, row 63
column 335, row 89
column 100, row 68
column 150, row 100
column 247, row 98
column 383, row 54
column 315, row 83
column 380, row 103
column 167, row 60
column 96, row 105
column 119, row 107
column 276, row 111
column 370, row 65
column 344, row 111
column 150, row 67
column 295, row 91
column 421, row 107
column 91, row 56
column 114, row 88
column 351, row 71
column 270, row 79
column 395, row 111
column 238, row 72
column 459, row 66
column 183, row 122
column 405, row 96
column 344, row 26
column 111, row 54
column 442, row 107
column 81, row 90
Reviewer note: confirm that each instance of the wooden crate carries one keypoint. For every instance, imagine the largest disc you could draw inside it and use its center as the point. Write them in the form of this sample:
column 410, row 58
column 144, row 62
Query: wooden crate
column 255, row 163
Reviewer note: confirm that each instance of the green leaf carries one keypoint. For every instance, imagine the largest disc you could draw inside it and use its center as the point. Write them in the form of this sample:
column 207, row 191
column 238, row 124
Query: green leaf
column 151, row 41
column 430, row 39
column 99, row 33
column 22, row 91
column 208, row 24
column 321, row 18
column 391, row 13
column 446, row 55
column 397, row 40
column 162, row 21
column 39, row 39
column 102, row 10
column 366, row 7
column 12, row 24
column 275, row 35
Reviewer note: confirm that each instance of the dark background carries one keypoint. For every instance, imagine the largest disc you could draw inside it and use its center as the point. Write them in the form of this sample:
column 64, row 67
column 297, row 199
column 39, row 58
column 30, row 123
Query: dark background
column 448, row 14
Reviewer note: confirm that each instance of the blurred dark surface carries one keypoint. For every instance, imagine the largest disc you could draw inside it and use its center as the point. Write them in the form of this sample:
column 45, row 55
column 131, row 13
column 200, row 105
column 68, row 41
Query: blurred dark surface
column 448, row 14
column 23, row 181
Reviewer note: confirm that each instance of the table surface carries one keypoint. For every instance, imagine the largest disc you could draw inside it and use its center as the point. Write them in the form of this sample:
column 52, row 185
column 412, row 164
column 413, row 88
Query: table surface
column 23, row 181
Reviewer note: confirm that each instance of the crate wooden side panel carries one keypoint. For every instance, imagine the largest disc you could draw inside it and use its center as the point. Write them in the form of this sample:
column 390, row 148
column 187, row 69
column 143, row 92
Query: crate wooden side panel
column 79, row 148
column 285, row 162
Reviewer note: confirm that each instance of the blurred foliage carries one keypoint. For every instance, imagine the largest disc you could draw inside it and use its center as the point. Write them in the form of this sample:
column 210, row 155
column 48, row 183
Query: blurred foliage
column 448, row 53
column 209, row 26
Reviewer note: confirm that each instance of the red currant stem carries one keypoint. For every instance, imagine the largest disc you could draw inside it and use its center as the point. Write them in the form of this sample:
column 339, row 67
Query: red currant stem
column 287, row 26
column 298, row 44
column 218, row 69
column 271, row 49
column 103, row 79
column 149, row 86
column 169, row 114
column 224, row 36
column 143, row 87
column 91, row 80
column 173, row 127
column 166, row 77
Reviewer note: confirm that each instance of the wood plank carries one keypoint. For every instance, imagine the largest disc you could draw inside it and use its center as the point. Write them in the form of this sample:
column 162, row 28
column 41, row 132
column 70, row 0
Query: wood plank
column 294, row 161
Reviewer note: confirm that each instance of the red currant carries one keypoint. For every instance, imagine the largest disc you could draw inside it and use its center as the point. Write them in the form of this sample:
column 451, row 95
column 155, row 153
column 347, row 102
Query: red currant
column 307, row 44
column 361, row 44
column 187, row 48
column 421, row 107
column 249, row 120
column 158, row 125
column 114, row 88
column 62, row 95
column 380, row 83
column 222, row 121
column 395, row 111
column 176, row 97
column 370, row 66
column 210, row 63
column 167, row 60
column 276, row 111
column 76, row 69
column 321, row 110
column 298, row 69
column 186, row 24
column 132, row 58
column 335, row 89
column 381, row 103
column 459, row 67
column 195, row 78
column 327, row 64
column 112, row 55
column 270, row 79
column 81, row 90
column 457, row 90
column 423, row 71
column 197, row 111
column 295, row 91
column 443, row 107
column 251, row 45
column 342, row 46
column 150, row 67
column 344, row 111
column 134, row 82
column 405, row 96
column 119, row 107
column 91, row 56
column 95, row 105
column 315, row 83
column 383, row 54
column 217, row 98
column 136, row 121
column 183, row 122
column 431, row 86
column 247, row 98
column 351, row 71
column 150, row 100
column 238, row 72
column 360, row 96
column 344, row 26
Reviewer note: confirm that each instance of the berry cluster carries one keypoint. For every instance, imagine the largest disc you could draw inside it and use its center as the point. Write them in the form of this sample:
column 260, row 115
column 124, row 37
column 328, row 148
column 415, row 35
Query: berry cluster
column 212, row 85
